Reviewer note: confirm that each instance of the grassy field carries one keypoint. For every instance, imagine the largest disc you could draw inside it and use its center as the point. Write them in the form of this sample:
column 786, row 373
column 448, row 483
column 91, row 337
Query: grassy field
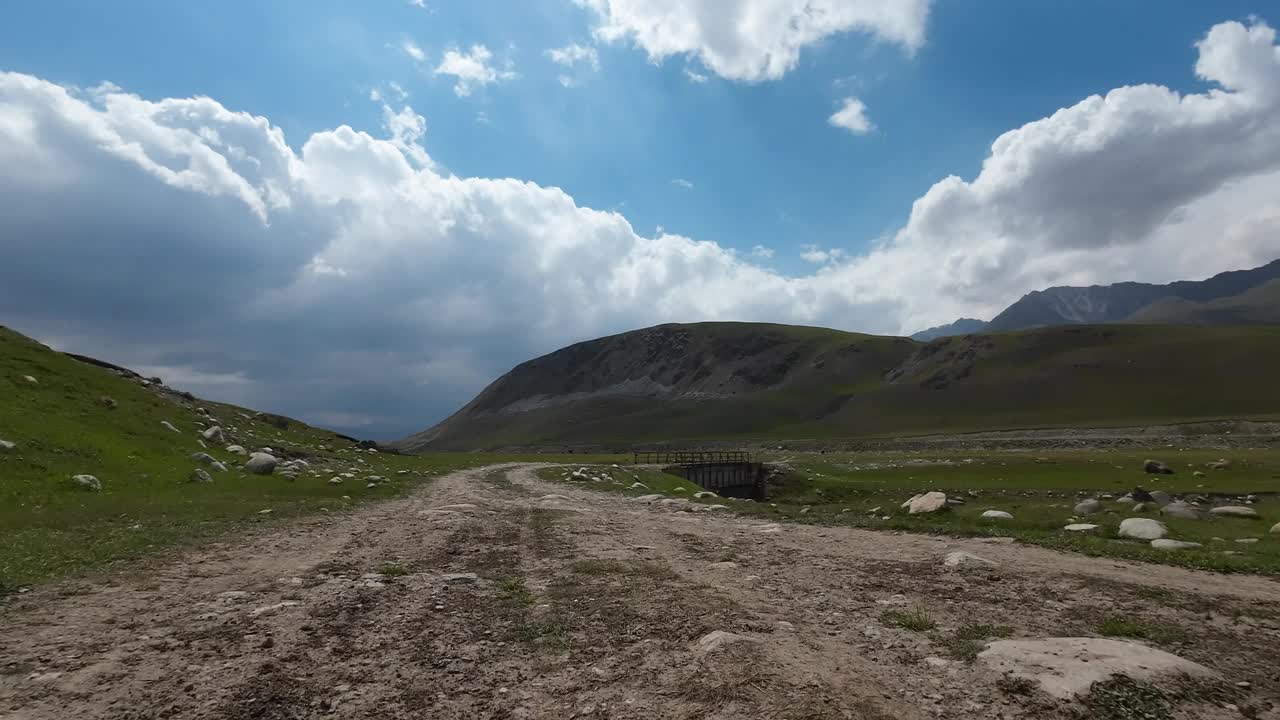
column 1039, row 491
column 61, row 426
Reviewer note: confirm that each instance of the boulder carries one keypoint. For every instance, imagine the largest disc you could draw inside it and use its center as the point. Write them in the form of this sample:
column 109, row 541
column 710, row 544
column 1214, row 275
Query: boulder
column 108, row 402
column 1166, row 544
column 204, row 458
column 1236, row 511
column 1141, row 507
column 30, row 380
column 213, row 434
column 1126, row 499
column 1068, row 667
column 1081, row 527
column 218, row 466
column 1155, row 467
column 1183, row 510
column 704, row 494
column 930, row 502
column 1161, row 497
column 1142, row 529
column 637, row 486
column 1198, row 473
column 199, row 476
column 6, row 445
column 87, row 482
column 168, row 426
column 335, row 481
column 913, row 498
column 1275, row 529
column 997, row 515
column 1223, row 464
column 261, row 463
column 718, row 639
column 960, row 558
column 648, row 498
column 1088, row 507
column 236, row 450
column 1140, row 496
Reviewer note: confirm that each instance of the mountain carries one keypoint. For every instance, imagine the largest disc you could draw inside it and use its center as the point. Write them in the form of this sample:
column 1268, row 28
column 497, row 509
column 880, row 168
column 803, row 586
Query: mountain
column 1067, row 305
column 963, row 326
column 744, row 381
column 1256, row 306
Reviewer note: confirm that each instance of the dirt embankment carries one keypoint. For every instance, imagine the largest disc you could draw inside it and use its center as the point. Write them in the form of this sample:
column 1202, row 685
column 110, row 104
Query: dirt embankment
column 487, row 598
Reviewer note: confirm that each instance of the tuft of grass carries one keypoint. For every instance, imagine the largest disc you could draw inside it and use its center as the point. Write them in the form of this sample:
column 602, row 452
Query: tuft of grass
column 1123, row 698
column 512, row 589
column 1126, row 626
column 393, row 569
column 550, row 633
column 1016, row 685
column 916, row 619
column 969, row 640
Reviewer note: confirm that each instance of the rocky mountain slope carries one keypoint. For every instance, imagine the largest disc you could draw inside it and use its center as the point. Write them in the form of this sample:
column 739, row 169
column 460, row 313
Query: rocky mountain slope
column 736, row 381
column 1230, row 298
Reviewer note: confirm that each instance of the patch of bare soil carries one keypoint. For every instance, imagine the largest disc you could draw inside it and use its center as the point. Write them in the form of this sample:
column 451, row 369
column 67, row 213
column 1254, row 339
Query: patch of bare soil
column 483, row 599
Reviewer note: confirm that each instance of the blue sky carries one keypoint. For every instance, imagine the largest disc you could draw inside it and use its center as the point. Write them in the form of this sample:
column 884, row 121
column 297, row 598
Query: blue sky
column 703, row 153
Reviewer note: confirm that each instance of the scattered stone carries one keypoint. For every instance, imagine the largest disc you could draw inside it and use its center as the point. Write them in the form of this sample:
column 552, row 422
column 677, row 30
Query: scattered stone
column 1142, row 529
column 930, row 502
column 214, row 435
column 704, row 494
column 725, row 565
column 637, row 486
column 204, row 458
column 1161, row 497
column 459, row 578
column 200, row 476
column 1222, row 464
column 936, row 662
column 1126, row 499
column 236, row 450
column 553, row 498
column 648, row 498
column 784, row 625
column 1155, row 467
column 87, row 482
column 1068, row 667
column 108, row 402
column 1275, row 529
column 169, row 426
column 1140, row 507
column 770, row 529
column 960, row 558
column 261, row 463
column 1236, row 511
column 1246, row 541
column 997, row 515
column 1182, row 510
column 30, row 380
column 1166, row 544
column 716, row 507
column 1081, row 527
column 717, row 639
column 673, row 502
column 5, row 445
column 335, row 481
column 1198, row 473
column 912, row 499
column 1088, row 507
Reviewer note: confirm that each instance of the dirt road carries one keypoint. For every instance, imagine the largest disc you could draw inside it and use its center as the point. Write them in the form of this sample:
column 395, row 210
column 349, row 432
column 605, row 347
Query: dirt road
column 591, row 605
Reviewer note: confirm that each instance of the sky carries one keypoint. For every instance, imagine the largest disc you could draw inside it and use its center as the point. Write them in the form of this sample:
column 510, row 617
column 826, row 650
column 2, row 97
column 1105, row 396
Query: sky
column 359, row 214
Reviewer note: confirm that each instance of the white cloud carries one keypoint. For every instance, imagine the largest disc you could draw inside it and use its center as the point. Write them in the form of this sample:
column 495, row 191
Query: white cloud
column 401, row 93
column 852, row 116
column 695, row 76
column 353, row 274
column 575, row 54
column 752, row 40
column 762, row 252
column 818, row 256
column 472, row 68
column 419, row 4
column 682, row 183
column 413, row 51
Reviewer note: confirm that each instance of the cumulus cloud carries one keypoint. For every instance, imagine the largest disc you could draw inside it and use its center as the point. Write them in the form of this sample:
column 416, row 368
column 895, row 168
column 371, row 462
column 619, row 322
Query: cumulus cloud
column 412, row 50
column 574, row 54
column 352, row 280
column 695, row 76
column 472, row 68
column 752, row 40
column 818, row 256
column 852, row 116
column 762, row 252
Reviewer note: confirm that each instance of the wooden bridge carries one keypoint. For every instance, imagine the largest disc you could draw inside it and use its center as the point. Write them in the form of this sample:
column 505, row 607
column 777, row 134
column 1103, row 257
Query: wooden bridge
column 727, row 473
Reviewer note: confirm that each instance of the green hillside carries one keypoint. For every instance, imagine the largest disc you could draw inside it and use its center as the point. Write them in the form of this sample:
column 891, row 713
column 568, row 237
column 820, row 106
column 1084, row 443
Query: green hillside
column 682, row 383
column 1256, row 306
column 62, row 425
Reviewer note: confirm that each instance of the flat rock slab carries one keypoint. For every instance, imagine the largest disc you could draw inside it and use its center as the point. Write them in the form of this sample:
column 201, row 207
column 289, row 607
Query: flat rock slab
column 960, row 558
column 1067, row 667
column 718, row 639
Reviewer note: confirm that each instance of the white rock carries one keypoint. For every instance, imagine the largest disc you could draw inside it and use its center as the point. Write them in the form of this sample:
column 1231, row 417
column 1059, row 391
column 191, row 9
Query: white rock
column 907, row 504
column 1236, row 511
column 1161, row 497
column 200, row 476
column 1275, row 529
column 1142, row 529
column 30, row 380
column 1067, row 667
column 928, row 503
column 674, row 489
column 704, row 494
column 87, row 482
column 717, row 507
column 335, row 481
column 960, row 558
column 169, row 426
column 648, row 498
column 457, row 578
column 261, row 463
column 997, row 515
column 769, row 529
column 637, row 486
column 1081, row 527
column 1182, row 510
column 1088, row 507
column 204, row 458
column 717, row 639
column 5, row 445
column 213, row 434
column 236, row 450
column 1167, row 544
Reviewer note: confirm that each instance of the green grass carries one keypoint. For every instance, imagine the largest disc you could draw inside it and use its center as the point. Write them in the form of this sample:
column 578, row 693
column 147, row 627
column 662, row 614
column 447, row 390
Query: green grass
column 513, row 590
column 915, row 619
column 1123, row 698
column 51, row 529
column 969, row 640
column 1132, row 627
column 549, row 633
column 393, row 569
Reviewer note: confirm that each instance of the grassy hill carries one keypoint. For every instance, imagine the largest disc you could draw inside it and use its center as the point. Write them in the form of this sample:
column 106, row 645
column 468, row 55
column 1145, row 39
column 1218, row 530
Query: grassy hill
column 62, row 425
column 1256, row 306
column 682, row 383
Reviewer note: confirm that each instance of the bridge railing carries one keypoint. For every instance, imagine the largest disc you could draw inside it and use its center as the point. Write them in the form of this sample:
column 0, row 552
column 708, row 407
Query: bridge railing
column 690, row 457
